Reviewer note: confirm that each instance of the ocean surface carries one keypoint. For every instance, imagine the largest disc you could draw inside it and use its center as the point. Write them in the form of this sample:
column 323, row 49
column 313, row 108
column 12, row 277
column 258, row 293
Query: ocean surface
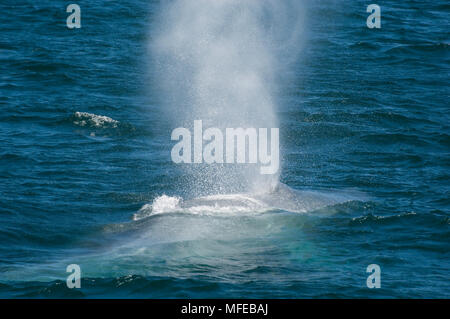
column 86, row 176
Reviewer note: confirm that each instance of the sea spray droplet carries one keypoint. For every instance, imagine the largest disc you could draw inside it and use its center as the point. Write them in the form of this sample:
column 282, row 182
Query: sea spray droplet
column 217, row 61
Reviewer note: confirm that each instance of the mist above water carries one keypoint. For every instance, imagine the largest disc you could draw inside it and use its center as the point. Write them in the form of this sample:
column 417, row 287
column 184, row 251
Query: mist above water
column 220, row 61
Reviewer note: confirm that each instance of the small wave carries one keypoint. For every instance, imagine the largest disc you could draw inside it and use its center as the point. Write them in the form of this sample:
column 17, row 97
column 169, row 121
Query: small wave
column 438, row 47
column 85, row 119
column 370, row 218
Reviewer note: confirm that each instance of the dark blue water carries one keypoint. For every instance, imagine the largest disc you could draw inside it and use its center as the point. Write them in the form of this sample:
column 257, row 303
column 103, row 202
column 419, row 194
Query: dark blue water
column 85, row 144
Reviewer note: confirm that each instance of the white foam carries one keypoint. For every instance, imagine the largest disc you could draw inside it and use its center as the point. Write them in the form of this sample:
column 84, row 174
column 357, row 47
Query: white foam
column 161, row 204
column 84, row 118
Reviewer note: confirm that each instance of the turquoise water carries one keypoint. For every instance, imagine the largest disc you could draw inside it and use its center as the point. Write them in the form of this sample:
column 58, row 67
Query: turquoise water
column 86, row 176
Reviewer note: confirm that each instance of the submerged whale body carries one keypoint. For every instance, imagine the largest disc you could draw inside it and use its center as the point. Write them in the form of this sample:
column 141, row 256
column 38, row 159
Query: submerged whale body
column 281, row 197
